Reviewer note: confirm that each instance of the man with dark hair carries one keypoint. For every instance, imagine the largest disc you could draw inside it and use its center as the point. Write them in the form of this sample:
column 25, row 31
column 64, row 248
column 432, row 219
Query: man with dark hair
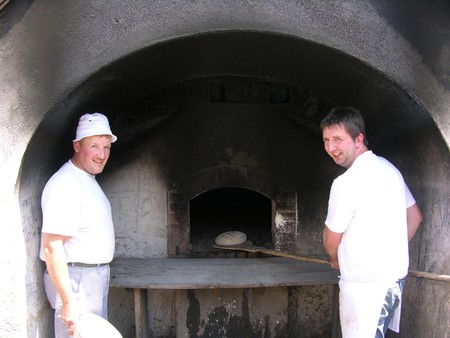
column 371, row 217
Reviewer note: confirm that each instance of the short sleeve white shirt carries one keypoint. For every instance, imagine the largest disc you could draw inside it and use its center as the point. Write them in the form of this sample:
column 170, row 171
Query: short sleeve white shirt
column 368, row 205
column 74, row 205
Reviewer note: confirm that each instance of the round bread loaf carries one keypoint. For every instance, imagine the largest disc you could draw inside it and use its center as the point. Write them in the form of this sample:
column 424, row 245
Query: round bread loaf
column 231, row 238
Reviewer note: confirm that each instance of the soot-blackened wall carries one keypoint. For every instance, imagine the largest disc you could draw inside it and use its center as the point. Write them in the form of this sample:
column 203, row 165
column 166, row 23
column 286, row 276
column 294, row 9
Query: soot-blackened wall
column 231, row 88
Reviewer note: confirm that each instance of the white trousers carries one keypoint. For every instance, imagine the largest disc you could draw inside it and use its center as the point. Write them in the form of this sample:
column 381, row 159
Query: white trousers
column 360, row 306
column 90, row 286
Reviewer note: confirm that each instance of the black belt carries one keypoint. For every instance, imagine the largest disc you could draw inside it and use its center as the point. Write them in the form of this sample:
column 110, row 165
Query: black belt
column 85, row 265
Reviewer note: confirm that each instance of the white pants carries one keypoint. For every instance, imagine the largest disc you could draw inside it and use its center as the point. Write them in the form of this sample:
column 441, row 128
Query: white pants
column 360, row 306
column 90, row 286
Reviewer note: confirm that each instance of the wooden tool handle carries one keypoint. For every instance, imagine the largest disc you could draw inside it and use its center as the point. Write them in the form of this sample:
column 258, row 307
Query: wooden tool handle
column 429, row 275
column 253, row 248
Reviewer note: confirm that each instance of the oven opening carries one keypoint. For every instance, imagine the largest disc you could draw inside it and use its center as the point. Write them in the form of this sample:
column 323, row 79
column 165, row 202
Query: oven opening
column 229, row 209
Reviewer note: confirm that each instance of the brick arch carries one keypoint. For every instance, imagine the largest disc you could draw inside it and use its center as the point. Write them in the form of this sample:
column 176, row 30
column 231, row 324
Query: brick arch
column 284, row 204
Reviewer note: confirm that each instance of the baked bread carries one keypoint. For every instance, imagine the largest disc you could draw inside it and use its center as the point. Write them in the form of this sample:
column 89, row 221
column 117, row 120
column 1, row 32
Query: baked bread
column 231, row 238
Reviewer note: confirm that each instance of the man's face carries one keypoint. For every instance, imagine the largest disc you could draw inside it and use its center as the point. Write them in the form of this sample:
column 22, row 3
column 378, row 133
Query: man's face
column 341, row 146
column 92, row 153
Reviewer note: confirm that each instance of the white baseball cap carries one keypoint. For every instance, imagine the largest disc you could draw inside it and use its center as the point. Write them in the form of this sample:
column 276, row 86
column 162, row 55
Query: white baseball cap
column 94, row 124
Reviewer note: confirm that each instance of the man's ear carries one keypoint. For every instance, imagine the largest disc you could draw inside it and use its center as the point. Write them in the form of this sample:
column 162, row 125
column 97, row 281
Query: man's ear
column 360, row 140
column 76, row 146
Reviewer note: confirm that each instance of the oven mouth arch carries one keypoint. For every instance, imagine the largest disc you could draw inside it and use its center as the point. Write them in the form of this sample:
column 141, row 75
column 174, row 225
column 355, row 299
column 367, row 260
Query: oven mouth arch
column 221, row 210
column 284, row 205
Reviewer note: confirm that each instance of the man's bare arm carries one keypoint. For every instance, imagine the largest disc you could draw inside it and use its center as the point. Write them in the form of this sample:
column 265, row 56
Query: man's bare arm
column 331, row 241
column 56, row 261
column 414, row 218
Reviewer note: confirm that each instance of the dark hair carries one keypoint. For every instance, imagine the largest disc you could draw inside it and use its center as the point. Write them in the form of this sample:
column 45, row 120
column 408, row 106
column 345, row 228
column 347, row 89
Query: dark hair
column 348, row 117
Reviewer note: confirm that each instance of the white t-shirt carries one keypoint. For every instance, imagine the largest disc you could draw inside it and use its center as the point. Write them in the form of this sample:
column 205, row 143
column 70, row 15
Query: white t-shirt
column 74, row 205
column 368, row 205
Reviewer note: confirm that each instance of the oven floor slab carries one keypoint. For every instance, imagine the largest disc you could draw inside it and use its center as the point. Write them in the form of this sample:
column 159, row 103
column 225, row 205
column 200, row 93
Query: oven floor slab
column 211, row 273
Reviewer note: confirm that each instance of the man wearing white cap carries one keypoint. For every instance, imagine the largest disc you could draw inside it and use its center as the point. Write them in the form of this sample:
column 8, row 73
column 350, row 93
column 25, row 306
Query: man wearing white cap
column 77, row 232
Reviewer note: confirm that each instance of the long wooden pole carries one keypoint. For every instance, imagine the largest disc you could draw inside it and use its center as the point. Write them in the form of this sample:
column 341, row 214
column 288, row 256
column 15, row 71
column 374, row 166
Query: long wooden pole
column 259, row 249
column 429, row 275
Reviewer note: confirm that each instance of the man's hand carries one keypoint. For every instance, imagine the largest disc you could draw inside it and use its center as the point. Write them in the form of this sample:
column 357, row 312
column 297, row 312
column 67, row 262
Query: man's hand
column 334, row 264
column 70, row 315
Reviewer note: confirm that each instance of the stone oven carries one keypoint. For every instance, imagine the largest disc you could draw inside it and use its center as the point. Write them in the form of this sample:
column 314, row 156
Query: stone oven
column 227, row 209
column 216, row 105
column 261, row 207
